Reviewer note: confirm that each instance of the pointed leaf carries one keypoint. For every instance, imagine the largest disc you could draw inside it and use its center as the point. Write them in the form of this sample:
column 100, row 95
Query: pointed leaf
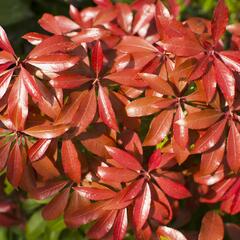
column 120, row 224
column 210, row 137
column 70, row 161
column 124, row 159
column 105, row 109
column 18, row 104
column 219, row 21
column 212, row 227
column 97, row 58
column 233, row 148
column 142, row 207
column 55, row 208
column 46, row 131
column 159, row 128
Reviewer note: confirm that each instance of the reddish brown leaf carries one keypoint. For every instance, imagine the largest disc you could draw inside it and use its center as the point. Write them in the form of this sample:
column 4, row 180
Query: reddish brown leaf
column 157, row 83
column 55, row 208
column 225, row 80
column 170, row 233
column 147, row 106
column 131, row 44
column 172, row 188
column 30, row 84
column 70, row 161
column 127, row 77
column 47, row 131
column 120, row 224
column 4, row 42
column 4, row 152
column 69, row 81
column 18, row 104
column 212, row 227
column 180, row 132
column 5, row 79
column 105, row 109
column 54, row 62
column 159, row 128
column 52, row 45
column 48, row 190
column 97, row 58
column 15, row 165
column 210, row 137
column 113, row 174
column 201, row 119
column 102, row 225
column 125, row 16
column 90, row 34
column 142, row 207
column 95, row 194
column 219, row 21
column 38, row 149
column 233, row 148
column 125, row 159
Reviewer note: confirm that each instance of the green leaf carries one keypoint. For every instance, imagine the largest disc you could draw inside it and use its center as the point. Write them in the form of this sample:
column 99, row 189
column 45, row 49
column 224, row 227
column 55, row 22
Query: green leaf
column 36, row 226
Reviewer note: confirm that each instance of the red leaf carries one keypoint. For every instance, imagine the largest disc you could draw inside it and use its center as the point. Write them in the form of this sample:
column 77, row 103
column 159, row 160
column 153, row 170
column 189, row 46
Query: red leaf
column 231, row 59
column 233, row 148
column 55, row 208
column 113, row 174
column 180, row 133
column 70, row 161
column 5, row 79
column 57, row 24
column 90, row 34
column 172, row 188
column 157, row 83
column 159, row 128
column 15, row 165
column 142, row 207
column 52, row 45
column 48, row 190
column 4, row 42
column 30, row 84
column 38, row 149
column 147, row 106
column 219, row 21
column 131, row 44
column 182, row 46
column 210, row 137
column 97, row 58
column 170, row 233
column 18, row 104
column 212, row 227
column 4, row 152
column 211, row 160
column 120, row 225
column 210, row 83
column 206, row 117
column 125, row 16
column 102, row 225
column 47, row 131
column 225, row 80
column 34, row 38
column 105, row 109
column 95, row 194
column 125, row 159
column 54, row 62
column 69, row 81
column 127, row 77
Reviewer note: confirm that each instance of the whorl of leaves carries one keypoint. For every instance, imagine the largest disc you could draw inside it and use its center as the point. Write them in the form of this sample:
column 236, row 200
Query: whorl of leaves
column 118, row 113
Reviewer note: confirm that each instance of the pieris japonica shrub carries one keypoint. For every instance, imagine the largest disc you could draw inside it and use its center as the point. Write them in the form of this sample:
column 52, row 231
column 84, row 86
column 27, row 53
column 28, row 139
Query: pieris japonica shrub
column 126, row 119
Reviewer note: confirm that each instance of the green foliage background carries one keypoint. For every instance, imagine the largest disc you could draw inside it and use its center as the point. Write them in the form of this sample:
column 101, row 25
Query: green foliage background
column 19, row 17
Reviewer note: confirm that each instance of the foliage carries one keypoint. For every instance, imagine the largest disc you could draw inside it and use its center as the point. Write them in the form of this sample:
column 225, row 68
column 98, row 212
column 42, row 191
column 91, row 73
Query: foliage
column 122, row 122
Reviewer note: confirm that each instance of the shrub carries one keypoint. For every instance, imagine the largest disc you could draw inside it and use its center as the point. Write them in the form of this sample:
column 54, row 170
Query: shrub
column 120, row 112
